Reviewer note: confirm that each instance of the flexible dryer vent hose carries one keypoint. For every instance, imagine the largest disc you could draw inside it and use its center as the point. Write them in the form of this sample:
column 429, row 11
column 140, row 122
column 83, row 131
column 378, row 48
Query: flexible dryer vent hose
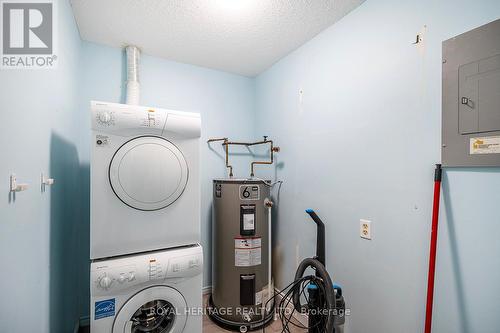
column 133, row 86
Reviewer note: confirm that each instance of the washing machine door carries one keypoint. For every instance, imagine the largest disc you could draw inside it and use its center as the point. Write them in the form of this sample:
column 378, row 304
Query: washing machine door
column 158, row 309
column 148, row 173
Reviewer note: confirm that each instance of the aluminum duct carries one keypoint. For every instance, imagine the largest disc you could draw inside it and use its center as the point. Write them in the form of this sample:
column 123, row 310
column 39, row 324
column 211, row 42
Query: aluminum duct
column 133, row 86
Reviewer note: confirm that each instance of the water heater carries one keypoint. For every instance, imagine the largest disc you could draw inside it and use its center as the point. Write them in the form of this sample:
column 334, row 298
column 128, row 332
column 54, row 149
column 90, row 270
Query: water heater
column 241, row 280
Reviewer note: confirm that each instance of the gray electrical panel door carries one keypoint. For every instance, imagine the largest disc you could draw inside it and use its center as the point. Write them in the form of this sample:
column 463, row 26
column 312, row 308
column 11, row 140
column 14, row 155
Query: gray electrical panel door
column 471, row 98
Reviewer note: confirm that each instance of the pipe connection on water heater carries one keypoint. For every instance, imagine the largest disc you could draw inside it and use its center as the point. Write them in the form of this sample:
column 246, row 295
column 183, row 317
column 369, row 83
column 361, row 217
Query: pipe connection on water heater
column 226, row 143
column 133, row 86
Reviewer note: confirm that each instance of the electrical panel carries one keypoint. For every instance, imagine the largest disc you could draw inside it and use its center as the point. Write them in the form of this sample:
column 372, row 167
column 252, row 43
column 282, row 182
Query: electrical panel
column 471, row 98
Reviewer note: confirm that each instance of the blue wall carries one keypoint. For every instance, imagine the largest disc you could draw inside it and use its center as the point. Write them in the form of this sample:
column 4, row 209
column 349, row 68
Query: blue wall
column 362, row 143
column 39, row 231
column 225, row 101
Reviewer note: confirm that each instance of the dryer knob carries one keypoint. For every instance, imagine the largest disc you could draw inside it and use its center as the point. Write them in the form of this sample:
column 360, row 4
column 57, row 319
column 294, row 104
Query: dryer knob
column 104, row 117
column 105, row 282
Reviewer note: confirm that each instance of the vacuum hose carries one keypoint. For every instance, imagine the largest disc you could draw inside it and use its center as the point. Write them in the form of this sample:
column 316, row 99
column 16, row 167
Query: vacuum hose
column 325, row 283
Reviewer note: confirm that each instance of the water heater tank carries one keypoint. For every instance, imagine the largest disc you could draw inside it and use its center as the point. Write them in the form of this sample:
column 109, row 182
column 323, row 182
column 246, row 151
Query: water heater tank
column 240, row 274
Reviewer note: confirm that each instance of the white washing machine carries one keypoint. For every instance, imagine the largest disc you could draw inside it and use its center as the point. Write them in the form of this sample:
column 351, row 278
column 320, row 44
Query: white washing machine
column 156, row 292
column 145, row 186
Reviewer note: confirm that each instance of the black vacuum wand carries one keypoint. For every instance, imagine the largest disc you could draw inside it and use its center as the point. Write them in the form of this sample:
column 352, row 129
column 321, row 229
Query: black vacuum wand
column 320, row 236
column 325, row 303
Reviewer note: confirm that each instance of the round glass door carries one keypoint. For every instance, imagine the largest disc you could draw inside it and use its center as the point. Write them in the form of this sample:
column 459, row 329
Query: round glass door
column 156, row 316
column 148, row 173
column 153, row 310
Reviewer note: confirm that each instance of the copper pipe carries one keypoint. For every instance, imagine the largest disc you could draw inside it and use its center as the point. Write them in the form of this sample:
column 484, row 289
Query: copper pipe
column 216, row 139
column 227, row 160
column 272, row 150
column 230, row 167
column 234, row 143
column 228, row 143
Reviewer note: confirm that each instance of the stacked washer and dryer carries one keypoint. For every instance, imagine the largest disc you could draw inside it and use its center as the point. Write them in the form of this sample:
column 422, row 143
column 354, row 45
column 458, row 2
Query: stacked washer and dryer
column 146, row 269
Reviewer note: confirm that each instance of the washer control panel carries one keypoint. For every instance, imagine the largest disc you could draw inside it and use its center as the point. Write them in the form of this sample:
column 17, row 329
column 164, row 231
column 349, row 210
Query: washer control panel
column 109, row 276
column 179, row 266
column 155, row 269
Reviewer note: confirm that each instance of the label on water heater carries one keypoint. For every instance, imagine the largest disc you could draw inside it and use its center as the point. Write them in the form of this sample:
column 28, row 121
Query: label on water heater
column 218, row 190
column 248, row 221
column 247, row 251
column 249, row 192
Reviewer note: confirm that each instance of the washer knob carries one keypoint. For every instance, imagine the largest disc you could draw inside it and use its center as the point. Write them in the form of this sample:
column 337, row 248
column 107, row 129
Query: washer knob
column 105, row 282
column 122, row 278
column 104, row 117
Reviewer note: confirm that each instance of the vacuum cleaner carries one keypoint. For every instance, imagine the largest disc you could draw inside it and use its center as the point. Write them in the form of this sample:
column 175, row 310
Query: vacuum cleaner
column 325, row 304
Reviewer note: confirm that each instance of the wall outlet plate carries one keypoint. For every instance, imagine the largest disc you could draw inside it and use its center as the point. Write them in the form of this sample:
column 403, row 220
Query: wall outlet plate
column 365, row 229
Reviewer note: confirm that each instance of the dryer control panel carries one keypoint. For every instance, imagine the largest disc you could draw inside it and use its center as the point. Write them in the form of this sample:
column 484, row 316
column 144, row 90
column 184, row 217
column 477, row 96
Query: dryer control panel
column 130, row 120
column 110, row 276
column 127, row 120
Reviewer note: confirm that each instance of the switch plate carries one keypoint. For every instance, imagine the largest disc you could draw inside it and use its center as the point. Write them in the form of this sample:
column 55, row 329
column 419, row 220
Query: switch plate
column 365, row 229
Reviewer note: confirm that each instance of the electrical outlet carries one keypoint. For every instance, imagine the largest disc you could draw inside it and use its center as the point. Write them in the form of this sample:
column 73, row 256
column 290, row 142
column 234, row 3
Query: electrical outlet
column 365, row 229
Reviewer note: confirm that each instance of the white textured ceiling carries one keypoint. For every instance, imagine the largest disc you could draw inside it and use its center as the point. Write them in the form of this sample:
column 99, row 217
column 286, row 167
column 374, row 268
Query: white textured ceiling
column 240, row 36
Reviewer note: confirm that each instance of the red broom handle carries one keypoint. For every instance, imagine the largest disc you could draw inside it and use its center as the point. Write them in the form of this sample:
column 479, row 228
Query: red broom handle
column 433, row 247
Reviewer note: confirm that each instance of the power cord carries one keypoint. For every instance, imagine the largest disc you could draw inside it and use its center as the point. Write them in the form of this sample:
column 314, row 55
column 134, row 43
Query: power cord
column 286, row 309
column 271, row 185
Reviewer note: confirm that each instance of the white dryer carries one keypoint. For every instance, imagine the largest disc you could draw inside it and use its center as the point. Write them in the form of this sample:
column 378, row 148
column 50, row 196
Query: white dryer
column 145, row 187
column 157, row 292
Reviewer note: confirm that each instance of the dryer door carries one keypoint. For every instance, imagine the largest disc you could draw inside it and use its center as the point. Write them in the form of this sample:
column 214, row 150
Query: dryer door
column 157, row 309
column 148, row 173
